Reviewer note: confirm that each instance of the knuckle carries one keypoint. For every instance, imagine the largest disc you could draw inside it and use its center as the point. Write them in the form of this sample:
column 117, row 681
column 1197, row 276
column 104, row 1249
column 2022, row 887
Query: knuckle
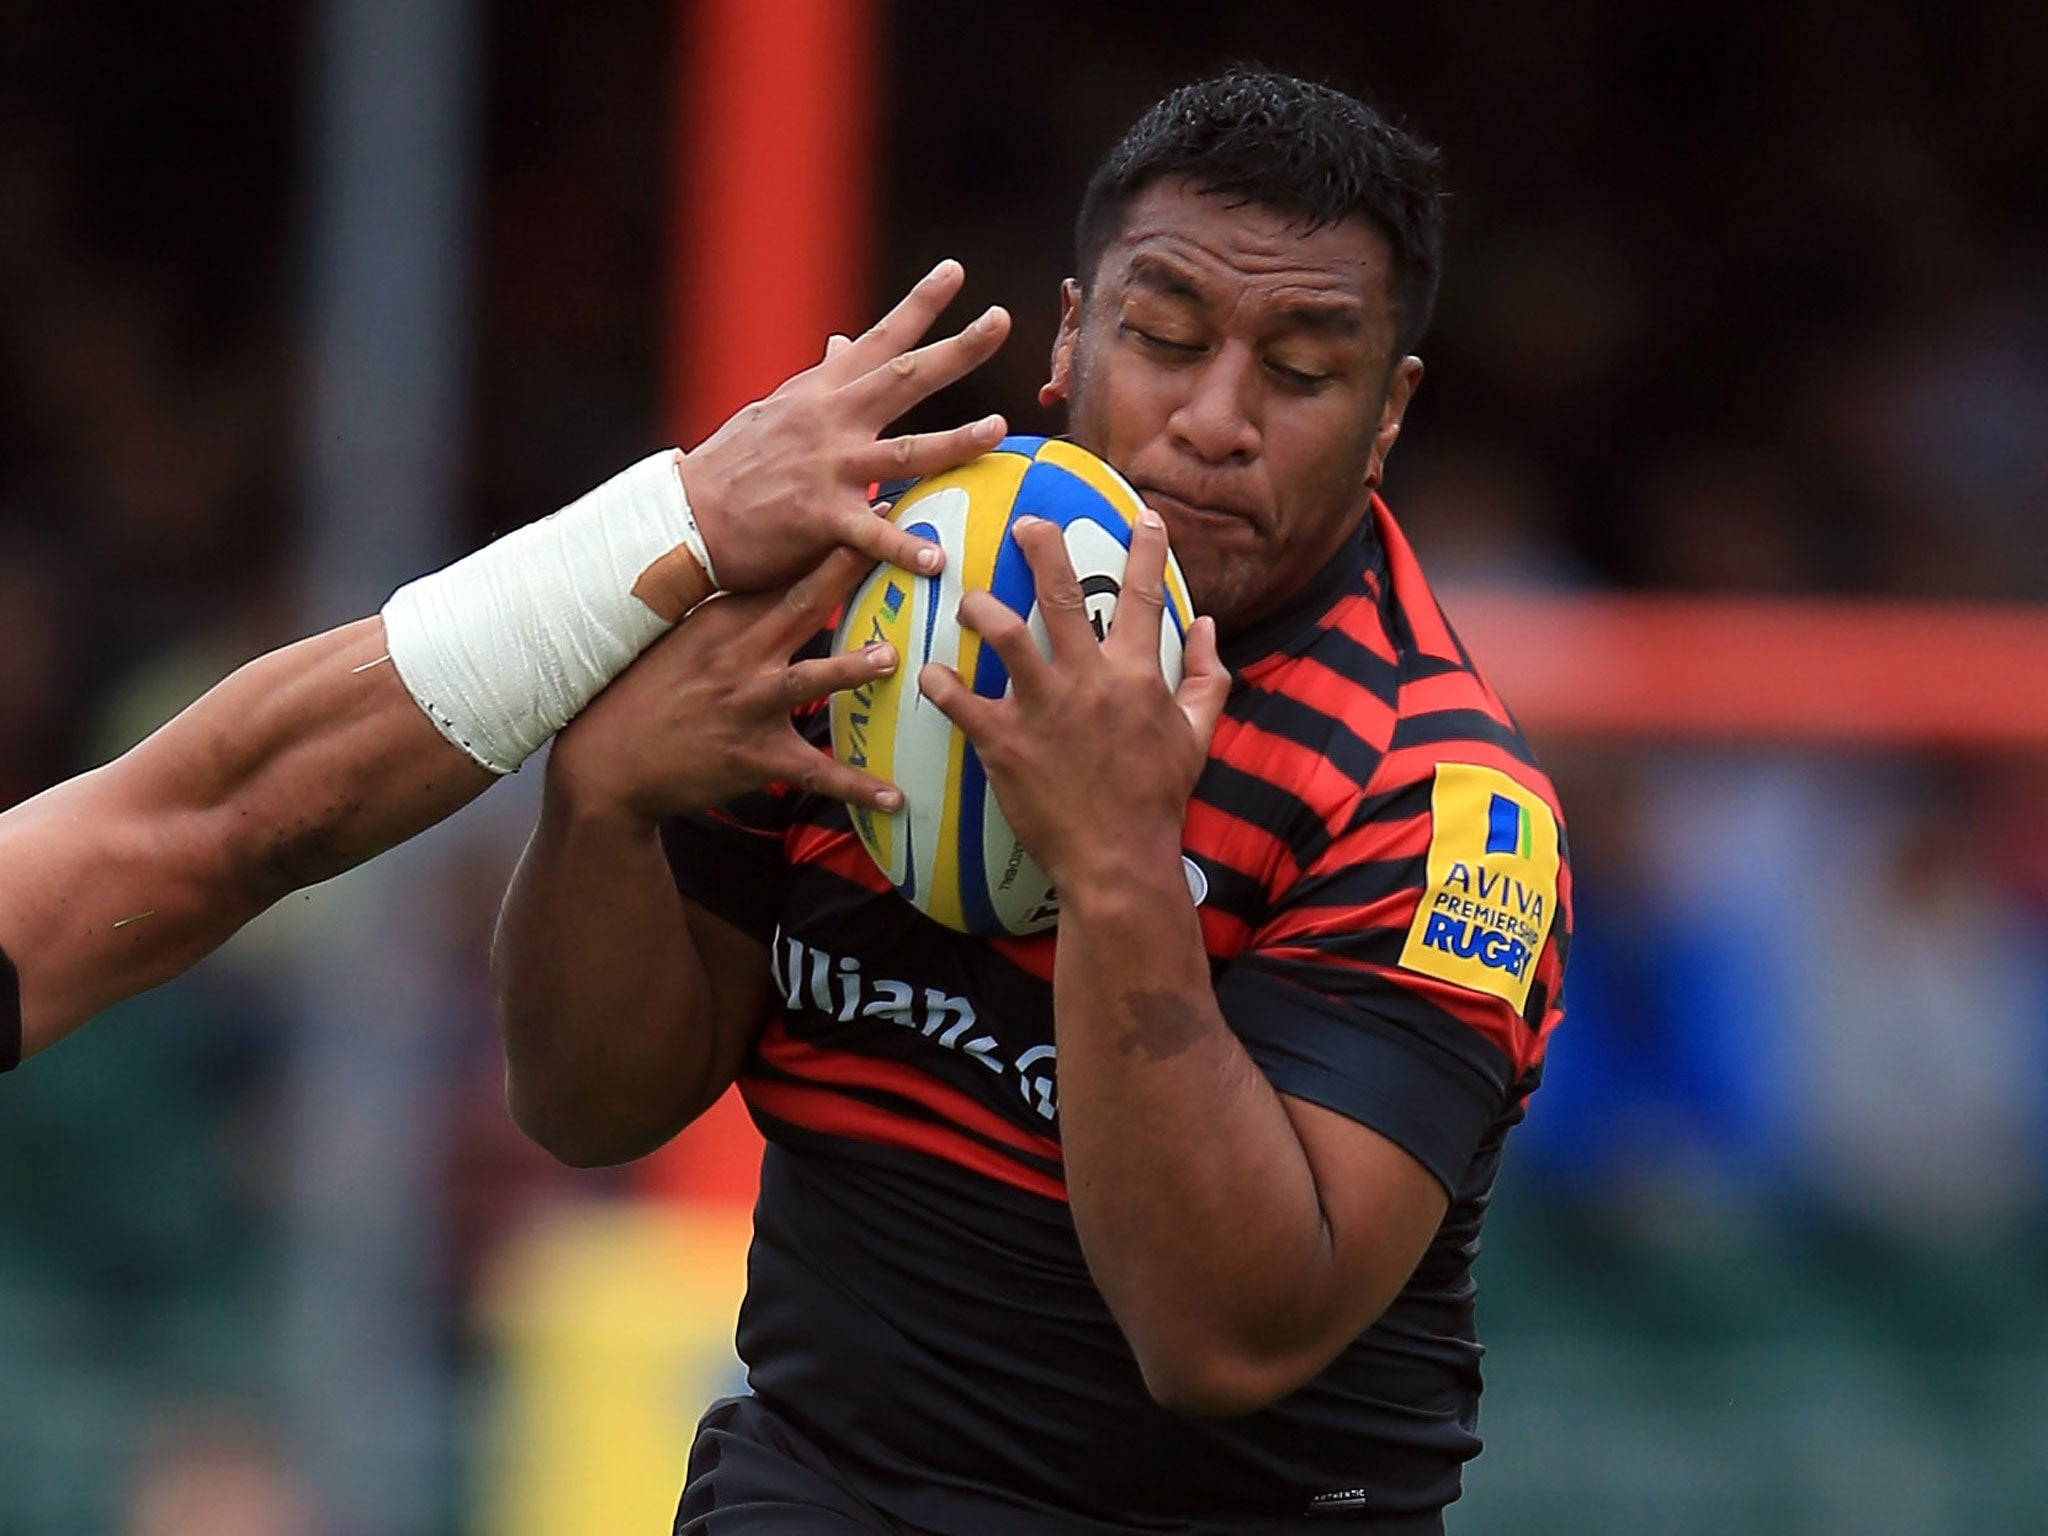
column 1004, row 624
column 906, row 365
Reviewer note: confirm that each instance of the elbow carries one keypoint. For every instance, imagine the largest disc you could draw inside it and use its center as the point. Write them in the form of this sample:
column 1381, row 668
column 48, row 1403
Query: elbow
column 576, row 1139
column 1220, row 1383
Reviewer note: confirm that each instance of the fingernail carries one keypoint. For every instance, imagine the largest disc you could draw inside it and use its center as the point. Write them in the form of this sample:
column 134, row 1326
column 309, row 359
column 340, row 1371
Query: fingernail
column 889, row 799
column 1027, row 520
column 1150, row 519
column 942, row 269
column 929, row 559
column 882, row 657
column 989, row 426
column 988, row 320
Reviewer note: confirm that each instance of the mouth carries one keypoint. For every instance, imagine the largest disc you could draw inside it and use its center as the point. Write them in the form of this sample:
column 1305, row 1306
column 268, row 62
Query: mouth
column 1177, row 508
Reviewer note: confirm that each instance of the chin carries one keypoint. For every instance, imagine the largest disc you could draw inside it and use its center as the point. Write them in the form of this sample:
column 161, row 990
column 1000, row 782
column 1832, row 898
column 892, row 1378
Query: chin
column 1224, row 595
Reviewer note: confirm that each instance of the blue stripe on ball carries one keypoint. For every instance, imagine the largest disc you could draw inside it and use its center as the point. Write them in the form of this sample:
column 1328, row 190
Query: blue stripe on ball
column 975, row 905
column 1059, row 496
column 931, row 587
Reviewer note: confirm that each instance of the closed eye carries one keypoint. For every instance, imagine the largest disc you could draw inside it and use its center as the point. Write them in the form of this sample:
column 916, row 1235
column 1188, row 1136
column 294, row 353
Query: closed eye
column 1298, row 378
column 1157, row 343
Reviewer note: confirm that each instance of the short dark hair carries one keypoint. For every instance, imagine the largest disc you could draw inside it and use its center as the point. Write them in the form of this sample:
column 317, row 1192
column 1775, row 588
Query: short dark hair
column 1288, row 144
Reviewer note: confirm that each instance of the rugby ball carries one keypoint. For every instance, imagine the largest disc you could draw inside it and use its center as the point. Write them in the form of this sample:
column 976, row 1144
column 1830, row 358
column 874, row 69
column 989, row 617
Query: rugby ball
column 949, row 851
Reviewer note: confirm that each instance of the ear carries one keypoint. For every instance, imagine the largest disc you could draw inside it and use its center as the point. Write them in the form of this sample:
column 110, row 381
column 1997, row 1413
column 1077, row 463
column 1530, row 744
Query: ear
column 1400, row 390
column 1059, row 385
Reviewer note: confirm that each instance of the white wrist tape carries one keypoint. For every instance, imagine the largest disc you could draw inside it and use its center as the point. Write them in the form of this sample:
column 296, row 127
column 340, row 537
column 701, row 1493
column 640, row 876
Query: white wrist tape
column 502, row 648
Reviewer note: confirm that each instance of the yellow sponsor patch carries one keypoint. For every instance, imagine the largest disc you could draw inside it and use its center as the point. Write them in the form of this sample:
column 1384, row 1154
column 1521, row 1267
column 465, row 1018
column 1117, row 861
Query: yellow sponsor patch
column 1492, row 890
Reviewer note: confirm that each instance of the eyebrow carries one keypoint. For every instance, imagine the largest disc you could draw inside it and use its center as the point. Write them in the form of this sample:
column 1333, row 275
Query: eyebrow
column 1342, row 318
column 1150, row 273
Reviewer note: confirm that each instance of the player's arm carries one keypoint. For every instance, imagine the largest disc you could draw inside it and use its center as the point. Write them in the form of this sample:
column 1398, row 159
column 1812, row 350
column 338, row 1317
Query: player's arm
column 1241, row 1238
column 624, row 1016
column 626, row 1011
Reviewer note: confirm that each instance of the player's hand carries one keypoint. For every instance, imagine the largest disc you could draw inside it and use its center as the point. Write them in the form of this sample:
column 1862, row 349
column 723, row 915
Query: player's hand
column 704, row 714
column 787, row 478
column 1092, row 757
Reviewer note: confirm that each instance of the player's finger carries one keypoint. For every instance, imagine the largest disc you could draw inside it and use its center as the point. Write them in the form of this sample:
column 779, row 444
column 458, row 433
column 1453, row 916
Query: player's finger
column 899, row 381
column 1061, row 601
column 822, row 774
column 899, row 329
column 955, row 700
column 809, row 602
column 805, row 682
column 869, row 531
column 835, row 344
column 1205, row 681
column 1005, row 632
column 927, row 453
column 1141, row 600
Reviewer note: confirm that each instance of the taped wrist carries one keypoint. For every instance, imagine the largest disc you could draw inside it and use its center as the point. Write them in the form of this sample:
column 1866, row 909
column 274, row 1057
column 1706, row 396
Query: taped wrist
column 504, row 647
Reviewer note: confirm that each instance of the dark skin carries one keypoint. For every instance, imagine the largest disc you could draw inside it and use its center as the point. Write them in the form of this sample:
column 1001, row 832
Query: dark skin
column 1241, row 372
column 1243, row 376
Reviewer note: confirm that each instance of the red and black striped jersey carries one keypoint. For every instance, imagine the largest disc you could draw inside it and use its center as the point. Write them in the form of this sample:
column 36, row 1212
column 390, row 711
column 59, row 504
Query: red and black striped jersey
column 1385, row 897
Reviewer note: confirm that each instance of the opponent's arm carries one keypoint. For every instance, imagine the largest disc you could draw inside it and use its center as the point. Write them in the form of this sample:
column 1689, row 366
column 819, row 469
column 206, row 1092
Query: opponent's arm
column 1241, row 1237
column 299, row 765
column 626, row 1011
column 320, row 755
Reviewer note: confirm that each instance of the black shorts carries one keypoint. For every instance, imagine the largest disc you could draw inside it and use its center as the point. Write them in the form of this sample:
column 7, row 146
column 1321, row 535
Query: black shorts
column 753, row 1473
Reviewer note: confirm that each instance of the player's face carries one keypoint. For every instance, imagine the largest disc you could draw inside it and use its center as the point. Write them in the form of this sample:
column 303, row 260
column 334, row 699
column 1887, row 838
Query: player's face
column 1241, row 373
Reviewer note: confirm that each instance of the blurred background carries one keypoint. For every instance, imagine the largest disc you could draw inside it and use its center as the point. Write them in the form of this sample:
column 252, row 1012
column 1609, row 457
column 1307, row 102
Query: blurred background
column 1744, row 307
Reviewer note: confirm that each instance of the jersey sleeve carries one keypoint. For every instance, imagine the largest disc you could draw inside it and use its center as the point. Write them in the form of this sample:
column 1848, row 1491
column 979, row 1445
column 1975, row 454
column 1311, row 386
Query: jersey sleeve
column 729, row 860
column 1405, row 976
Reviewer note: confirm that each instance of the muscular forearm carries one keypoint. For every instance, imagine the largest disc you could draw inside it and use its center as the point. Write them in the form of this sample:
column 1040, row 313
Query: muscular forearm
column 299, row 765
column 1195, row 1200
column 308, row 761
column 599, row 989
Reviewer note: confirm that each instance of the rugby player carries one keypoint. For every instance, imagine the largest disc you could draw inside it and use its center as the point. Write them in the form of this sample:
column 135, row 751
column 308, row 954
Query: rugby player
column 317, row 756
column 1164, row 1221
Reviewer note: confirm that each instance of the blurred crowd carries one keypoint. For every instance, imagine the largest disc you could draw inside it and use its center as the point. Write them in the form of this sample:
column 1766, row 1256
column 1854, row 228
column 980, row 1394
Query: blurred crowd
column 1746, row 298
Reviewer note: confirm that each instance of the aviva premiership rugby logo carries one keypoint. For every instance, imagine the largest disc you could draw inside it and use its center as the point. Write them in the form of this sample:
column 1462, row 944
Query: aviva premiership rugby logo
column 1492, row 890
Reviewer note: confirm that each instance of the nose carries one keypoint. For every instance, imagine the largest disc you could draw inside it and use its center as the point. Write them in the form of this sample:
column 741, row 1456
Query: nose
column 1217, row 419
